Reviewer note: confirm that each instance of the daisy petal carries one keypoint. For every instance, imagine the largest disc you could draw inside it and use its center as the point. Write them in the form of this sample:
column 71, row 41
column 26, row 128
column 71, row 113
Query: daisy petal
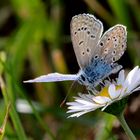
column 101, row 99
column 130, row 76
column 121, row 78
column 113, row 92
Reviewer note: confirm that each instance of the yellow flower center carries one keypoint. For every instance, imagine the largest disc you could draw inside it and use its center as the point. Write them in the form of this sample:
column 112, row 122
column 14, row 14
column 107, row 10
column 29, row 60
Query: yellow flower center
column 104, row 91
column 118, row 87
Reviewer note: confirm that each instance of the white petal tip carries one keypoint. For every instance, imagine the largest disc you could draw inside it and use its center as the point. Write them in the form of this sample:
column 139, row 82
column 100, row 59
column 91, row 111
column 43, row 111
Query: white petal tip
column 29, row 81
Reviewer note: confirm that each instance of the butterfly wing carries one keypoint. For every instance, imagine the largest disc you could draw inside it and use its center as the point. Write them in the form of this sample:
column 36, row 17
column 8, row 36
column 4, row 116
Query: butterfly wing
column 109, row 49
column 86, row 31
column 54, row 77
column 112, row 44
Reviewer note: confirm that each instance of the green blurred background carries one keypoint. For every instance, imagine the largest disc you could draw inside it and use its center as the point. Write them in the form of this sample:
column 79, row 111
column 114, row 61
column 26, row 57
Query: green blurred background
column 35, row 40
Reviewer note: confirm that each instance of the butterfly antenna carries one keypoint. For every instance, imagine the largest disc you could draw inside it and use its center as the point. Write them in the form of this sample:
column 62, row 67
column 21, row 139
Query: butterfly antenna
column 64, row 100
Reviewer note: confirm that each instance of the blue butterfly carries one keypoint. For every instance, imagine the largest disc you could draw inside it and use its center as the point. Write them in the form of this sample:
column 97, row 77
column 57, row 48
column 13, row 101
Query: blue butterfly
column 96, row 53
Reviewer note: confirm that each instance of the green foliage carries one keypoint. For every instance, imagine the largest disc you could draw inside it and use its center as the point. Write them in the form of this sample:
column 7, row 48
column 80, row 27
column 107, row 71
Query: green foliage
column 117, row 107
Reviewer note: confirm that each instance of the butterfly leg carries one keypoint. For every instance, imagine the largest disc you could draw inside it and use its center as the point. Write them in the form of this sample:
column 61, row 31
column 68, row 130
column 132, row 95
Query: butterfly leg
column 92, row 90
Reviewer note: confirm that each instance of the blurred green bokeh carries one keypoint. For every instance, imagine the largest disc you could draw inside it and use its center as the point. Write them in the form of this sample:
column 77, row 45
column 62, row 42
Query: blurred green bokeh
column 35, row 40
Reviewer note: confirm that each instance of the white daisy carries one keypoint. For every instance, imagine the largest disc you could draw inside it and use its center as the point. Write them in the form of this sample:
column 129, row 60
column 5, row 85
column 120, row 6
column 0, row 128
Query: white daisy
column 112, row 92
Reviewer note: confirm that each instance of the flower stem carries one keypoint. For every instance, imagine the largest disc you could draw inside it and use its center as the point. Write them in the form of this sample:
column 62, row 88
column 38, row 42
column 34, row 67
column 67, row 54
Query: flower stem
column 126, row 127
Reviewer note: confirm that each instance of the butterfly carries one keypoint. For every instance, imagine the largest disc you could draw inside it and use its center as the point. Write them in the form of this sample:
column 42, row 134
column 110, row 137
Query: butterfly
column 96, row 53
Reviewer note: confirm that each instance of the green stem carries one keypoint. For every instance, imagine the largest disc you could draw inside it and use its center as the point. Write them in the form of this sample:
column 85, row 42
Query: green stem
column 126, row 127
column 4, row 123
column 13, row 114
